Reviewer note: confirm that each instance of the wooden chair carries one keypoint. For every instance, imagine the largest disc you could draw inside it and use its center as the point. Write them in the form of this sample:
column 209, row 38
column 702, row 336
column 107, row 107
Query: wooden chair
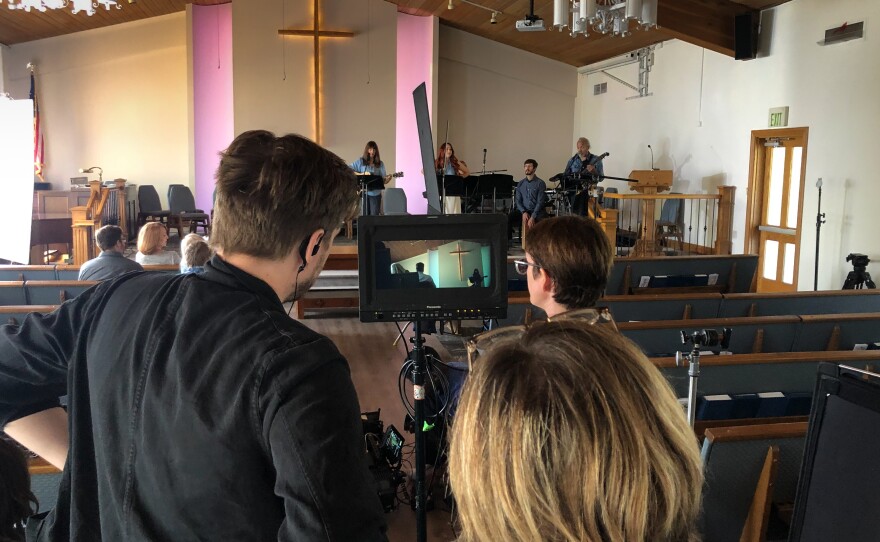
column 671, row 224
column 184, row 212
column 747, row 468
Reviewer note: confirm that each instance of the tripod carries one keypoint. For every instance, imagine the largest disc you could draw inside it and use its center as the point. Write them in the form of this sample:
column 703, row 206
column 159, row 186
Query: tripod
column 859, row 279
column 420, row 369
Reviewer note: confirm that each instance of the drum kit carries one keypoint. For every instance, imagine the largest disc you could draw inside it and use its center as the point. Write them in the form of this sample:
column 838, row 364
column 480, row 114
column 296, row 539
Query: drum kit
column 564, row 196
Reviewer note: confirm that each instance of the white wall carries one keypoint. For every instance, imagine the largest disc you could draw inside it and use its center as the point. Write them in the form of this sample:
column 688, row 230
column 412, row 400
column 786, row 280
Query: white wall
column 831, row 90
column 273, row 76
column 513, row 103
column 114, row 97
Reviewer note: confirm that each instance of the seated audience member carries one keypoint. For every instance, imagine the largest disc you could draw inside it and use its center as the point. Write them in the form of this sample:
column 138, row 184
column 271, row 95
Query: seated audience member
column 425, row 279
column 110, row 262
column 567, row 263
column 570, row 434
column 195, row 253
column 17, row 502
column 151, row 246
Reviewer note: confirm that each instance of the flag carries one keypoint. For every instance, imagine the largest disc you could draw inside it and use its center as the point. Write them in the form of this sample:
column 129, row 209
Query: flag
column 39, row 150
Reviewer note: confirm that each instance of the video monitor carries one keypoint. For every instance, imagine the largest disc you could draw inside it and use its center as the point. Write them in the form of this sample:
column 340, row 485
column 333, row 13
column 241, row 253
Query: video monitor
column 432, row 267
column 837, row 495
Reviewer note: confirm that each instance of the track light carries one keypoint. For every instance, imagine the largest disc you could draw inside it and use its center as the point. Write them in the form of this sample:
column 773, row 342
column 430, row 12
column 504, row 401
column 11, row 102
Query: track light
column 450, row 6
column 494, row 19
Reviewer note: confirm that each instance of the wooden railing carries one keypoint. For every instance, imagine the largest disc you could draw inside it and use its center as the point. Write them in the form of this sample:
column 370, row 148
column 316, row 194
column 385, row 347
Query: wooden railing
column 86, row 220
column 703, row 225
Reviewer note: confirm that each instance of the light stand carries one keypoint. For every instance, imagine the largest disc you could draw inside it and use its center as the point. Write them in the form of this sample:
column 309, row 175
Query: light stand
column 820, row 219
column 419, row 370
column 700, row 339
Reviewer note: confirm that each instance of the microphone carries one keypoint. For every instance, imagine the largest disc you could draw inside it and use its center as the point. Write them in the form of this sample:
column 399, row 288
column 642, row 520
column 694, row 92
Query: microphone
column 652, row 159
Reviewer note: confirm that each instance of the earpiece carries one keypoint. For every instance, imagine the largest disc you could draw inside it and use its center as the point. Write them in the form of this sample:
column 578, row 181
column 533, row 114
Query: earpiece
column 302, row 251
column 302, row 254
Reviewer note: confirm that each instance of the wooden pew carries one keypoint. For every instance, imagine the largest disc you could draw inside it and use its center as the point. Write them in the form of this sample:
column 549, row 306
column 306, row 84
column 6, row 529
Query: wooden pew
column 27, row 272
column 750, row 335
column 12, row 292
column 736, row 273
column 837, row 331
column 53, row 292
column 15, row 314
column 758, row 373
column 747, row 468
column 628, row 308
column 776, row 304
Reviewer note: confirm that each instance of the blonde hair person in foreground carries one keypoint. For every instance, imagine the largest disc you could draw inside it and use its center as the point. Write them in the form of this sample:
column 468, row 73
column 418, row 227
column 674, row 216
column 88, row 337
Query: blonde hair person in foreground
column 570, row 434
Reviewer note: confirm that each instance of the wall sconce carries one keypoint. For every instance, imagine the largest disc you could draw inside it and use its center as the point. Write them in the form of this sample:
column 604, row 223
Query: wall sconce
column 91, row 170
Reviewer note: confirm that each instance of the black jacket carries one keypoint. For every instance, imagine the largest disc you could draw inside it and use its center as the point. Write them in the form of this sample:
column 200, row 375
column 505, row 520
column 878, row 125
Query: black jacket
column 198, row 411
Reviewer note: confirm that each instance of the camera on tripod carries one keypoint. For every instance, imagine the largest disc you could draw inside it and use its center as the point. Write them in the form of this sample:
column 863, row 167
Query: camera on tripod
column 708, row 338
column 858, row 278
column 858, row 260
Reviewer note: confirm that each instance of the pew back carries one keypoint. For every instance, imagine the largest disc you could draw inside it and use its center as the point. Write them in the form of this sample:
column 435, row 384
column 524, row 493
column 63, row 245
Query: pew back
column 733, row 458
column 776, row 304
column 12, row 293
column 55, row 292
column 16, row 314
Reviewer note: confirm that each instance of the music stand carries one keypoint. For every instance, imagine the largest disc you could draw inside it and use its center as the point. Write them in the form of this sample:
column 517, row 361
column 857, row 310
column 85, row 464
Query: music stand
column 451, row 185
column 495, row 186
column 367, row 183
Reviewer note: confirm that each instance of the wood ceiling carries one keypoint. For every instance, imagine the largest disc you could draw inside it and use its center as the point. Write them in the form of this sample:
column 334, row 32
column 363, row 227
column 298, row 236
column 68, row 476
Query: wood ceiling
column 17, row 26
column 706, row 23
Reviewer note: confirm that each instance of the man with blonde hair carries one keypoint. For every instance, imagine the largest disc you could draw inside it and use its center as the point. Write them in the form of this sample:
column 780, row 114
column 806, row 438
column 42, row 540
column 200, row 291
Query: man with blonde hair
column 198, row 409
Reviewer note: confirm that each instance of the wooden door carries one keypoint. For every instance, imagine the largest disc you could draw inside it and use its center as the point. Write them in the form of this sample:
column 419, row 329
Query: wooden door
column 776, row 201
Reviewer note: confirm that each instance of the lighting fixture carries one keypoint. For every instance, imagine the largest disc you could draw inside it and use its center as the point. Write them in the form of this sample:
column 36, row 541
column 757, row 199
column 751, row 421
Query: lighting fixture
column 450, row 6
column 92, row 170
column 495, row 13
column 610, row 17
column 76, row 5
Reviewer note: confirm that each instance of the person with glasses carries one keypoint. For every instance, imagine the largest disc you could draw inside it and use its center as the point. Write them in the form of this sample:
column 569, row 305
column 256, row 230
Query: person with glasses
column 530, row 197
column 110, row 262
column 567, row 262
column 569, row 433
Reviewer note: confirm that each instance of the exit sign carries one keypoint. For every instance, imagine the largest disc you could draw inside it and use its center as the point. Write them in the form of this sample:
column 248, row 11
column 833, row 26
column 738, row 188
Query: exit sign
column 778, row 117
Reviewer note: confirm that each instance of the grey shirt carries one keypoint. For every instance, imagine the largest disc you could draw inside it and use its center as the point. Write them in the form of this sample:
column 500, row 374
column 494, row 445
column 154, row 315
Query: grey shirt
column 107, row 265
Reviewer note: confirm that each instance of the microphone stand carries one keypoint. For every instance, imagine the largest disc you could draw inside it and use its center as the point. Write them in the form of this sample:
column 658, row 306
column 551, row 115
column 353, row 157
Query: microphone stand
column 443, row 171
column 820, row 219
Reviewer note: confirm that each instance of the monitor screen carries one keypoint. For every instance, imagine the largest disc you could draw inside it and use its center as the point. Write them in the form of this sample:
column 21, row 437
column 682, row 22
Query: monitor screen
column 422, row 267
column 837, row 496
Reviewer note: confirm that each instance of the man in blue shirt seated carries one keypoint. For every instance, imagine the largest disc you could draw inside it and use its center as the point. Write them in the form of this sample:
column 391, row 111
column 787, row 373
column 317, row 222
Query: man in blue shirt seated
column 110, row 262
column 529, row 201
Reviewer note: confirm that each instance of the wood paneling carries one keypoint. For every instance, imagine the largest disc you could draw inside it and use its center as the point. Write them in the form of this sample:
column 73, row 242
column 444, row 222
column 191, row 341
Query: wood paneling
column 706, row 23
column 18, row 26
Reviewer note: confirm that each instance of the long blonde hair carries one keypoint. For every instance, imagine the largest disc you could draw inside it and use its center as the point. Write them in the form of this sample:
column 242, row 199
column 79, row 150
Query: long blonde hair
column 570, row 434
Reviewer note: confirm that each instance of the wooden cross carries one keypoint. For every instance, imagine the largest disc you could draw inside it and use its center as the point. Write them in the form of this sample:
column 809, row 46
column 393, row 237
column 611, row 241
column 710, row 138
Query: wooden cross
column 316, row 32
column 459, row 251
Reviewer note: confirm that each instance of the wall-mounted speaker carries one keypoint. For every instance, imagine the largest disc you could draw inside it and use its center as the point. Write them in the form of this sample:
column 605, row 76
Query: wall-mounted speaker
column 746, row 35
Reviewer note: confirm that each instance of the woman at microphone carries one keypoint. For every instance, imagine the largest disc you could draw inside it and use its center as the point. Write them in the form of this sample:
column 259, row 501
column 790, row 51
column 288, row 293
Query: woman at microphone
column 370, row 164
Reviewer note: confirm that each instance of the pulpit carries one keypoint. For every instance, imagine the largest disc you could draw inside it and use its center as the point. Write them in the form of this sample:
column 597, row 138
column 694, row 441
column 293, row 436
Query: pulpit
column 649, row 182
